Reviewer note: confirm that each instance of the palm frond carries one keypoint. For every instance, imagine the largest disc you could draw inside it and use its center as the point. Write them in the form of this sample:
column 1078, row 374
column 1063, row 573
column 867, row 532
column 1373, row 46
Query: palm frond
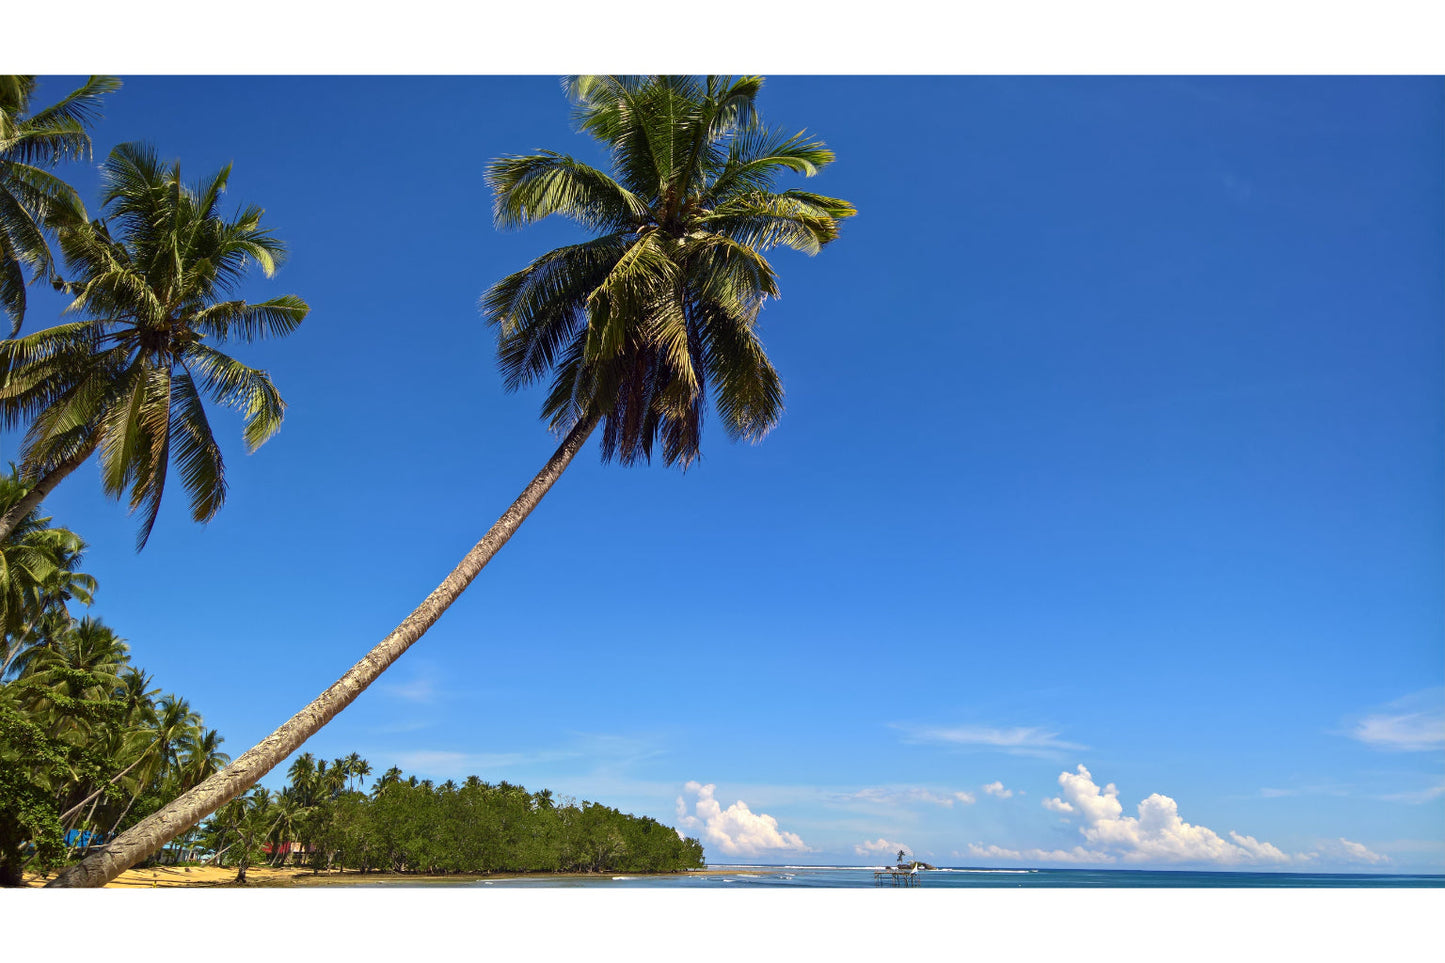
column 245, row 389
column 527, row 189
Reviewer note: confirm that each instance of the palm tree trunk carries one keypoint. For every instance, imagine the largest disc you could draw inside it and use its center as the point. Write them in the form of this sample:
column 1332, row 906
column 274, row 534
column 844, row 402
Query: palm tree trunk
column 40, row 489
column 155, row 830
column 113, row 780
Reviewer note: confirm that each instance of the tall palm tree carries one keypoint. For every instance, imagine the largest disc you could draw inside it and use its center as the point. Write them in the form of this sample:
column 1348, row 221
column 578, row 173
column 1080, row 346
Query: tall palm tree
column 634, row 325
column 34, row 201
column 128, row 380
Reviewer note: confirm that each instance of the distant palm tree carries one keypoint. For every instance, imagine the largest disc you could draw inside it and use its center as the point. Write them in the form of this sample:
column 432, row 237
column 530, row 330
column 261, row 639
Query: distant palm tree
column 90, row 647
column 202, row 756
column 289, row 813
column 633, row 326
column 361, row 769
column 34, row 201
column 388, row 778
column 128, row 380
column 39, row 574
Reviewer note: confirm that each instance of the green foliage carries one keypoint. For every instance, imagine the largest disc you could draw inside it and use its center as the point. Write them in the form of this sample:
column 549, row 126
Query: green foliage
column 39, row 576
column 85, row 744
column 40, row 757
column 34, row 202
column 411, row 826
column 155, row 281
column 634, row 325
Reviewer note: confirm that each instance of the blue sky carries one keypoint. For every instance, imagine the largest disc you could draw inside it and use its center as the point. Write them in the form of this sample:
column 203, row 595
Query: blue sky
column 1113, row 440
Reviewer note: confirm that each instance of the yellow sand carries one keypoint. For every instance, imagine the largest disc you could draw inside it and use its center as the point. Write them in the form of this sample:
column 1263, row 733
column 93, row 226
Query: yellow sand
column 169, row 876
column 163, row 877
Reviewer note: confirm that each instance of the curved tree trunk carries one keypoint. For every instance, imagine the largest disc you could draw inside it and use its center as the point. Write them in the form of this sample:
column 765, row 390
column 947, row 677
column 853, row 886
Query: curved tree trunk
column 40, row 489
column 190, row 808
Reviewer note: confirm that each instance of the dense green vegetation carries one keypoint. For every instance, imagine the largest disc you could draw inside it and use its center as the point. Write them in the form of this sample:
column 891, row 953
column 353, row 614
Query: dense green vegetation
column 406, row 825
column 88, row 744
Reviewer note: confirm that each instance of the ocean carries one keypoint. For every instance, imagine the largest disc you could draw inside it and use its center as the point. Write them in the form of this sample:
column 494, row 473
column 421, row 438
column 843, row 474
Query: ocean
column 725, row 876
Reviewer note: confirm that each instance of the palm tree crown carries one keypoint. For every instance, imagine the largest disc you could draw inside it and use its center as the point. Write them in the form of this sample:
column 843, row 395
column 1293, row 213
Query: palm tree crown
column 33, row 200
column 635, row 324
column 155, row 280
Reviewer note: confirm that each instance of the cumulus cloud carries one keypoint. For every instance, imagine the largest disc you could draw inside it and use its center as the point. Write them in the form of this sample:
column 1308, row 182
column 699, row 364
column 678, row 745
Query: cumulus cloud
column 1415, row 723
column 1019, row 740
column 1157, row 834
column 996, row 789
column 735, row 831
column 896, row 797
column 879, row 847
column 1076, row 855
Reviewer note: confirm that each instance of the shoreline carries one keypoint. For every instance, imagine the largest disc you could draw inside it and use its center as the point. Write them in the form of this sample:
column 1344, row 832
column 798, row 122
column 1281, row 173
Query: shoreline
column 258, row 877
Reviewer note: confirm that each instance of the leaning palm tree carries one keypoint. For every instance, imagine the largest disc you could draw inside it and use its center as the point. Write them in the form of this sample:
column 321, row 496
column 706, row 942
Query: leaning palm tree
column 155, row 281
column 33, row 201
column 634, row 326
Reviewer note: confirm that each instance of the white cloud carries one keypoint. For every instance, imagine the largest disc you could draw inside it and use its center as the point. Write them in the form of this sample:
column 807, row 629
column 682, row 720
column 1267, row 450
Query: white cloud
column 996, row 789
column 1076, row 855
column 1417, row 796
column 1360, row 853
column 1348, row 850
column 1415, row 723
column 879, row 847
column 896, row 797
column 1019, row 740
column 1157, row 834
column 737, row 830
column 1266, row 852
column 1058, row 806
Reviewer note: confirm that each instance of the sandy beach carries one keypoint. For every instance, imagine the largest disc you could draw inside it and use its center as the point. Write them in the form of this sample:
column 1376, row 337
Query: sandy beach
column 161, row 877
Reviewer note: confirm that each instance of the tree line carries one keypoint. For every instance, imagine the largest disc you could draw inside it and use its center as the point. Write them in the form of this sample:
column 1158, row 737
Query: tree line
column 321, row 820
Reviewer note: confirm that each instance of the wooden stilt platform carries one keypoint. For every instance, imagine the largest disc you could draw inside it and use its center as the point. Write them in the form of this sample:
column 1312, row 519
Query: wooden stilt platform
column 897, row 877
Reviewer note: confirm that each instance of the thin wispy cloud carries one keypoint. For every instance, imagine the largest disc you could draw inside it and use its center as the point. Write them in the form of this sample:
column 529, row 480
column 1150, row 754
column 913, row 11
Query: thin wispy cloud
column 1279, row 792
column 1016, row 740
column 1415, row 723
column 991, row 853
column 603, row 755
column 446, row 763
column 1417, row 796
column 398, row 728
column 893, row 796
column 420, row 688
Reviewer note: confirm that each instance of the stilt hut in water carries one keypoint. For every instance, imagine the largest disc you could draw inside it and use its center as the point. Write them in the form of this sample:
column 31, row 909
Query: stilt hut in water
column 908, row 872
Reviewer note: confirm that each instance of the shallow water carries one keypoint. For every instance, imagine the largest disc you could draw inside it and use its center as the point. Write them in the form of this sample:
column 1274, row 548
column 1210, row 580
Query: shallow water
column 853, row 877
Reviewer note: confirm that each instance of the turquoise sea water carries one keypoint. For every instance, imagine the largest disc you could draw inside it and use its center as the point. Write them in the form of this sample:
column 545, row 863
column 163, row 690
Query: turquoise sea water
column 852, row 877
